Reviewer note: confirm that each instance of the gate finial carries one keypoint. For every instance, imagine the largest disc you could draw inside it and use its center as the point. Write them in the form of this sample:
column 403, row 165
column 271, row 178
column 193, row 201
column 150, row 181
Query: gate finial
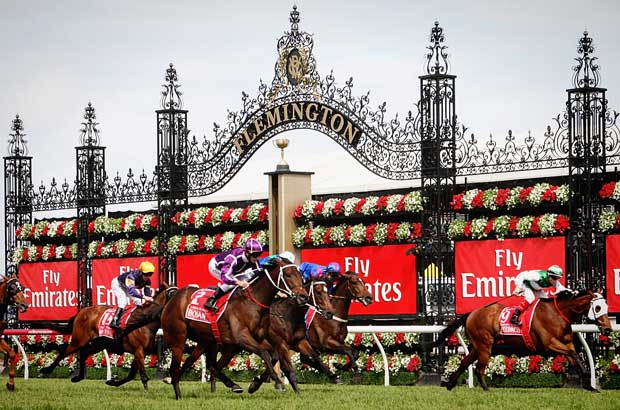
column 17, row 143
column 294, row 19
column 170, row 95
column 90, row 132
column 437, row 58
column 586, row 72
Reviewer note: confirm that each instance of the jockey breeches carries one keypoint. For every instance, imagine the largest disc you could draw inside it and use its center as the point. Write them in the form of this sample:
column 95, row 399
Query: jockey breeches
column 530, row 294
column 122, row 298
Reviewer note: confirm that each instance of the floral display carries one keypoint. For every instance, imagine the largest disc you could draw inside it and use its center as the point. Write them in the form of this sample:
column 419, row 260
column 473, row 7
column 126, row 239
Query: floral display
column 102, row 225
column 373, row 205
column 509, row 198
column 220, row 242
column 122, row 247
column 505, row 226
column 343, row 235
column 610, row 190
column 503, row 366
column 608, row 221
column 35, row 253
column 200, row 217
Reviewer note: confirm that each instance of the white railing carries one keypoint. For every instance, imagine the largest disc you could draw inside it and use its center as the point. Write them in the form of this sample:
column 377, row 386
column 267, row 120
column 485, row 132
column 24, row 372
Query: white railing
column 578, row 329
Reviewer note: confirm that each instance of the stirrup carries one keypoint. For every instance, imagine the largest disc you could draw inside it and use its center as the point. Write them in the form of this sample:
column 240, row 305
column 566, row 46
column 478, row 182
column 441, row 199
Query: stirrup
column 515, row 321
column 211, row 304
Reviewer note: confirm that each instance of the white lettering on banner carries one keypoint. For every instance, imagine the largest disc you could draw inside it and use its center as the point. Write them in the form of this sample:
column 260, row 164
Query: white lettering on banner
column 104, row 296
column 382, row 292
column 357, row 265
column 51, row 277
column 509, row 258
column 616, row 281
column 123, row 269
column 51, row 298
column 473, row 287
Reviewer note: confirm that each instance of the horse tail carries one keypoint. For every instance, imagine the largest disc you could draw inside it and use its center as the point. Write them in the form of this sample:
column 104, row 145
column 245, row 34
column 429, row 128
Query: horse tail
column 65, row 329
column 450, row 328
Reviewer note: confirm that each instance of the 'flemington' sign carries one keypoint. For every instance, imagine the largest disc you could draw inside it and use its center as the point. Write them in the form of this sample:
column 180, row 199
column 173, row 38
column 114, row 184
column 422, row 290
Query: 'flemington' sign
column 293, row 112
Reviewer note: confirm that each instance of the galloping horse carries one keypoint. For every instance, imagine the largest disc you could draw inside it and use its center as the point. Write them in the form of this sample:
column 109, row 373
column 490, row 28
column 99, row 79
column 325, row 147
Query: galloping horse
column 241, row 323
column 325, row 334
column 138, row 337
column 11, row 292
column 550, row 331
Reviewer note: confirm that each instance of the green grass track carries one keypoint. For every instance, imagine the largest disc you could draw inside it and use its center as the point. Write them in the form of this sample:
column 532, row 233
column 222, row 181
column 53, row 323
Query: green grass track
column 43, row 394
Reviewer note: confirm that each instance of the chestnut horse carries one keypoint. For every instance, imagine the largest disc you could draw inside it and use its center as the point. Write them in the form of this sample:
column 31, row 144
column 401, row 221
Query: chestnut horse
column 138, row 337
column 240, row 324
column 11, row 292
column 287, row 329
column 550, row 331
column 291, row 314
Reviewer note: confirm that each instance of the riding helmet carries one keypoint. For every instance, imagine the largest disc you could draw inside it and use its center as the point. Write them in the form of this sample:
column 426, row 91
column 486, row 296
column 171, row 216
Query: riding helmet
column 253, row 246
column 147, row 267
column 555, row 271
column 333, row 267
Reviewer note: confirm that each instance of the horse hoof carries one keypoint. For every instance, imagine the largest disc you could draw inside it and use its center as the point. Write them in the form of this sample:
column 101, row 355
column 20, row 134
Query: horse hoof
column 167, row 380
column 337, row 380
column 447, row 384
column 236, row 389
column 10, row 387
column 253, row 387
column 76, row 379
column 280, row 388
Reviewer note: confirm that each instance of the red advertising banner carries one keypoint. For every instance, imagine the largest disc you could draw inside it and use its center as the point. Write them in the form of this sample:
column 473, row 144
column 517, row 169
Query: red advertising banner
column 485, row 270
column 612, row 255
column 194, row 270
column 104, row 270
column 50, row 289
column 389, row 275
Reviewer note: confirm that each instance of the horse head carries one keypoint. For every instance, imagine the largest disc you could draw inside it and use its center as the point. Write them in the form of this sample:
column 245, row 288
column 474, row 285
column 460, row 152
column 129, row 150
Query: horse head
column 593, row 305
column 319, row 298
column 286, row 278
column 356, row 288
column 14, row 293
column 164, row 293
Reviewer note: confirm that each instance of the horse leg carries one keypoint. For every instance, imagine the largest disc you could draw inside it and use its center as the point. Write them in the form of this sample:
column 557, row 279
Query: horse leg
column 175, row 368
column 483, row 361
column 569, row 351
column 247, row 342
column 62, row 353
column 130, row 376
column 84, row 352
column 10, row 355
column 193, row 357
column 228, row 352
column 286, row 365
column 312, row 358
column 465, row 363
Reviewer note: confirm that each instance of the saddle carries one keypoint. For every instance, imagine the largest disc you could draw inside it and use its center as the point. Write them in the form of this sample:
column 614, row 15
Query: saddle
column 508, row 329
column 104, row 328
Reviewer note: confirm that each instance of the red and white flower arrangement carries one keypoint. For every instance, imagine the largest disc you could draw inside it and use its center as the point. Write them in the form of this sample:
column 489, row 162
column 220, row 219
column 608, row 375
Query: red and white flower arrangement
column 610, row 190
column 46, row 253
column 343, row 235
column 504, row 366
column 505, row 226
column 182, row 244
column 252, row 214
column 608, row 221
column 412, row 202
column 509, row 198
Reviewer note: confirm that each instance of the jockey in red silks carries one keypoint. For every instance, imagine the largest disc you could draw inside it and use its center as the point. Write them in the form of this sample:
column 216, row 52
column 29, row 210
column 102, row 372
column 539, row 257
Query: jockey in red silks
column 530, row 284
column 234, row 268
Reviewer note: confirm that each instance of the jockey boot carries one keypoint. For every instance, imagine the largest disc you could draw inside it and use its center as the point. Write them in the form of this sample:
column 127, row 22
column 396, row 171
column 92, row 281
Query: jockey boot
column 210, row 304
column 515, row 317
column 116, row 322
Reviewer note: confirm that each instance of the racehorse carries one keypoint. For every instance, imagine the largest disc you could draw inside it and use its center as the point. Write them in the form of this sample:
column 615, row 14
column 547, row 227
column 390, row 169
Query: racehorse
column 240, row 324
column 550, row 332
column 288, row 313
column 326, row 334
column 137, row 338
column 11, row 292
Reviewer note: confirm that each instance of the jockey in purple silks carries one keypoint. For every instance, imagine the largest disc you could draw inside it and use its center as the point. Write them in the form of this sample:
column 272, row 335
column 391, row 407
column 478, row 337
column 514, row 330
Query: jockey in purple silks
column 125, row 287
column 530, row 284
column 234, row 268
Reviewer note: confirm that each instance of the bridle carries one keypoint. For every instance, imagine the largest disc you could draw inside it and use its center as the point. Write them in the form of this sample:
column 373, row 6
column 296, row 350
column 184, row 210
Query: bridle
column 286, row 289
column 13, row 287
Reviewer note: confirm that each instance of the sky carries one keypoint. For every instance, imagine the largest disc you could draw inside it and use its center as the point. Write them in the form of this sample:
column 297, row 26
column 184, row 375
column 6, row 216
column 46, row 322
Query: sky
column 513, row 62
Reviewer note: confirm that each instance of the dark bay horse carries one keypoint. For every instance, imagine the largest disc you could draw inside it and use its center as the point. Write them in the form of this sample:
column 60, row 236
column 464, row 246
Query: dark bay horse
column 242, row 324
column 11, row 292
column 138, row 337
column 287, row 329
column 550, row 331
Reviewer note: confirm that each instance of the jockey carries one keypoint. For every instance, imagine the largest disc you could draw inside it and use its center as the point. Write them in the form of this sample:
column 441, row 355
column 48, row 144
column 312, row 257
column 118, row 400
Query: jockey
column 125, row 287
column 234, row 268
column 531, row 283
column 310, row 271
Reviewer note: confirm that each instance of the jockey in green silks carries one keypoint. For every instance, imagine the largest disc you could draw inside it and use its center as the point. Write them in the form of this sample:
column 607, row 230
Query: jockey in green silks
column 530, row 284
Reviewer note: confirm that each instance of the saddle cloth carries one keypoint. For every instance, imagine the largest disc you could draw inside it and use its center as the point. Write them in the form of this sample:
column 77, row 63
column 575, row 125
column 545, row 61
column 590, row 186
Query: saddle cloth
column 104, row 328
column 508, row 329
column 310, row 314
column 196, row 310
